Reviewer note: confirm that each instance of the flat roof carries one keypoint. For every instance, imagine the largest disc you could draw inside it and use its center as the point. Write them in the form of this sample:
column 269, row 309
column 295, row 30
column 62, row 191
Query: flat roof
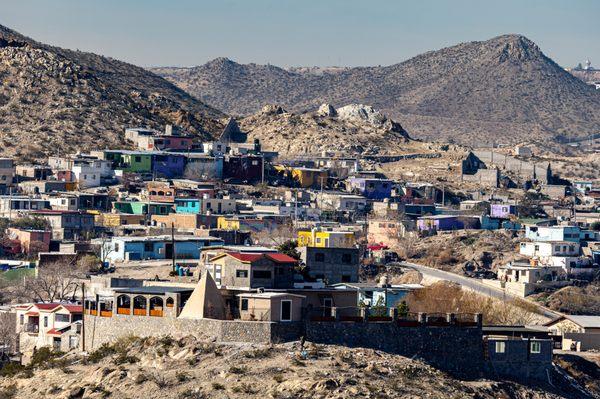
column 269, row 295
column 168, row 238
column 150, row 290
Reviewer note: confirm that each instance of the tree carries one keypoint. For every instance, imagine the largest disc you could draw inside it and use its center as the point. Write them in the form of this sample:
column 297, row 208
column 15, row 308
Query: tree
column 595, row 226
column 54, row 282
column 28, row 222
column 289, row 248
column 8, row 334
column 403, row 309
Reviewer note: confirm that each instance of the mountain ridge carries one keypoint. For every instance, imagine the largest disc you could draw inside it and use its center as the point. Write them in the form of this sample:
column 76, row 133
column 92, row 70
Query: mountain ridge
column 60, row 100
column 505, row 87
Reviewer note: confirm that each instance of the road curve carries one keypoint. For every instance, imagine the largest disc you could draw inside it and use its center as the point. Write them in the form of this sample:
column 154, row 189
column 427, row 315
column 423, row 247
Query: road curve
column 474, row 285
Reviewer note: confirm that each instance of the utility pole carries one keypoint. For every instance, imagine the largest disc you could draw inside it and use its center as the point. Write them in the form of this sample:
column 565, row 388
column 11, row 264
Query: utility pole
column 83, row 318
column 173, row 245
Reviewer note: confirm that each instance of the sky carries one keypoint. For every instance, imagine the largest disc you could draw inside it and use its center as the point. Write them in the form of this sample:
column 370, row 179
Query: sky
column 301, row 32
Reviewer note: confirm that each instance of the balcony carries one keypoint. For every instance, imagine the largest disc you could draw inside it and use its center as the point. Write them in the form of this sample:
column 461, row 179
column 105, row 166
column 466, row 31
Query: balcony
column 31, row 328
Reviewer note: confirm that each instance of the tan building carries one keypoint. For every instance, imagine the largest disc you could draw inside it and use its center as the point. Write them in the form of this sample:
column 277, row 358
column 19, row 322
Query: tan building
column 270, row 306
column 578, row 332
column 118, row 219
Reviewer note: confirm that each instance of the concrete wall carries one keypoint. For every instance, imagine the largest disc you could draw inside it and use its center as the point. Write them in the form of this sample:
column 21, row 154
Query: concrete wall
column 518, row 362
column 453, row 349
column 100, row 330
column 582, row 341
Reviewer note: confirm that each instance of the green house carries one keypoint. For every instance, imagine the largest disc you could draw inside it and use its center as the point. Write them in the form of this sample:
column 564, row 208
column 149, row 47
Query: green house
column 141, row 208
column 136, row 162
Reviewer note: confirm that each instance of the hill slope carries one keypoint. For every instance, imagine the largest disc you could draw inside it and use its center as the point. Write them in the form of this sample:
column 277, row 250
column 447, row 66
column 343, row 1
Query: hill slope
column 503, row 89
column 54, row 99
column 191, row 368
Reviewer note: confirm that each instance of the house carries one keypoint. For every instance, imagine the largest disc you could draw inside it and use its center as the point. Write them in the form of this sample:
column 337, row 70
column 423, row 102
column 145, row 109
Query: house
column 371, row 188
column 503, row 211
column 474, row 205
column 343, row 202
column 252, row 270
column 33, row 172
column 229, row 237
column 243, row 168
column 54, row 325
column 160, row 191
column 171, row 139
column 326, row 238
column 127, row 161
column 239, row 222
column 183, row 221
column 370, row 294
column 168, row 165
column 523, row 359
column 31, row 240
column 553, row 233
column 143, row 208
column 544, row 250
column 578, row 333
column 583, row 187
column 387, row 232
column 523, row 151
column 67, row 225
column 111, row 220
column 522, row 279
column 7, row 171
column 332, row 265
column 14, row 206
column 205, row 205
column 73, row 200
column 270, row 306
column 45, row 186
column 436, row 223
column 203, row 167
column 306, row 177
column 121, row 249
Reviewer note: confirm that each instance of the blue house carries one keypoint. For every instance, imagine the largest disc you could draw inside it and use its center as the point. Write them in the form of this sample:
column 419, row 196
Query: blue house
column 120, row 249
column 168, row 165
column 188, row 205
column 371, row 188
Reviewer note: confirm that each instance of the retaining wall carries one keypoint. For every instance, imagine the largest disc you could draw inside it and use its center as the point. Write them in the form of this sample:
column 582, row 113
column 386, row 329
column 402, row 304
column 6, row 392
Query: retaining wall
column 451, row 348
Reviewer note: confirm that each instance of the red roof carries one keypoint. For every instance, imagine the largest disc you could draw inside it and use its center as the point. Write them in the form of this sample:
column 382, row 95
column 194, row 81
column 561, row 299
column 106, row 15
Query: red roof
column 47, row 306
column 74, row 308
column 53, row 331
column 276, row 257
column 280, row 258
column 54, row 306
column 32, row 314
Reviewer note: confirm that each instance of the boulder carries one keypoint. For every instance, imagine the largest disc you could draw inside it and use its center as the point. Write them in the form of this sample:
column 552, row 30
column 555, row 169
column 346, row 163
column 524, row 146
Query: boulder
column 327, row 110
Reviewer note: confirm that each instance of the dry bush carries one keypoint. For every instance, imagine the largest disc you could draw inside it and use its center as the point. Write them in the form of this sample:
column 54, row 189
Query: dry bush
column 446, row 297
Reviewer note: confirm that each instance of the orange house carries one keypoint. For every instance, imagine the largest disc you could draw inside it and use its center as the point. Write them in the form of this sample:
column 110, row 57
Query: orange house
column 31, row 240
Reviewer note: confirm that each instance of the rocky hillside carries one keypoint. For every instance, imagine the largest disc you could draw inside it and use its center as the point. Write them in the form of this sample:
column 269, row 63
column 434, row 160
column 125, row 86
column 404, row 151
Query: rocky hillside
column 351, row 130
column 500, row 90
column 191, row 369
column 57, row 100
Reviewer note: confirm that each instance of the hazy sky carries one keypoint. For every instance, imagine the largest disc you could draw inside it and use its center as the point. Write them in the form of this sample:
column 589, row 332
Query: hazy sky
column 302, row 32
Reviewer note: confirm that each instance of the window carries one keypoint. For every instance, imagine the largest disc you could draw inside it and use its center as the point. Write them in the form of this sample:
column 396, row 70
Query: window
column 116, row 247
column 345, row 278
column 319, row 257
column 22, row 319
column 261, row 274
column 148, row 246
column 244, row 304
column 500, row 346
column 318, row 240
column 138, row 159
column 347, row 258
column 241, row 273
column 254, row 163
column 536, row 347
column 62, row 318
column 45, row 321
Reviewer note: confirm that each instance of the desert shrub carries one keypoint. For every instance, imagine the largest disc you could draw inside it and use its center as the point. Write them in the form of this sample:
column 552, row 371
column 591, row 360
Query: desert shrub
column 278, row 378
column 238, row 369
column 258, row 353
column 218, row 386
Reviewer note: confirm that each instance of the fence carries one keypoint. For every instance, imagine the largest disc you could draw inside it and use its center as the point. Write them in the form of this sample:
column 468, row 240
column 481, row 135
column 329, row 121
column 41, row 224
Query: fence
column 388, row 315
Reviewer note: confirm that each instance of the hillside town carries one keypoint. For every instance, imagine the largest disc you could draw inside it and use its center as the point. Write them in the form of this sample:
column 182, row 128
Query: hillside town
column 175, row 236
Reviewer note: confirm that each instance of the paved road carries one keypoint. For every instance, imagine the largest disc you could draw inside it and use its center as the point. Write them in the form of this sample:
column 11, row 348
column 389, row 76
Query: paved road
column 474, row 285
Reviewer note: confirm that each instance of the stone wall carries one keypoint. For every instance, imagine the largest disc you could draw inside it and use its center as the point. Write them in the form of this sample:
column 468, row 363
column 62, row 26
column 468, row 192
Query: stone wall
column 100, row 330
column 455, row 349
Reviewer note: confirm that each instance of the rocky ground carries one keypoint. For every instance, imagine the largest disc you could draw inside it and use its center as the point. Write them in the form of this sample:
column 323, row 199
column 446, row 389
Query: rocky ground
column 193, row 368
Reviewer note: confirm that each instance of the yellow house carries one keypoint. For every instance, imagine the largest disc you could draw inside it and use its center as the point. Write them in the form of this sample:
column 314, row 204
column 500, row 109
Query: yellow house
column 326, row 239
column 305, row 177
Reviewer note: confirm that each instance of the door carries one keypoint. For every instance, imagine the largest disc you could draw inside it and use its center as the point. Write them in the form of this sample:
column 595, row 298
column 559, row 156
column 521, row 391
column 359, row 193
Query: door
column 327, row 305
column 168, row 250
column 286, row 310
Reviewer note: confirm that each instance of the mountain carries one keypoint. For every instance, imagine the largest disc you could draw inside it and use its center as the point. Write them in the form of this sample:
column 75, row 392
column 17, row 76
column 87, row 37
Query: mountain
column 351, row 130
column 500, row 90
column 57, row 100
